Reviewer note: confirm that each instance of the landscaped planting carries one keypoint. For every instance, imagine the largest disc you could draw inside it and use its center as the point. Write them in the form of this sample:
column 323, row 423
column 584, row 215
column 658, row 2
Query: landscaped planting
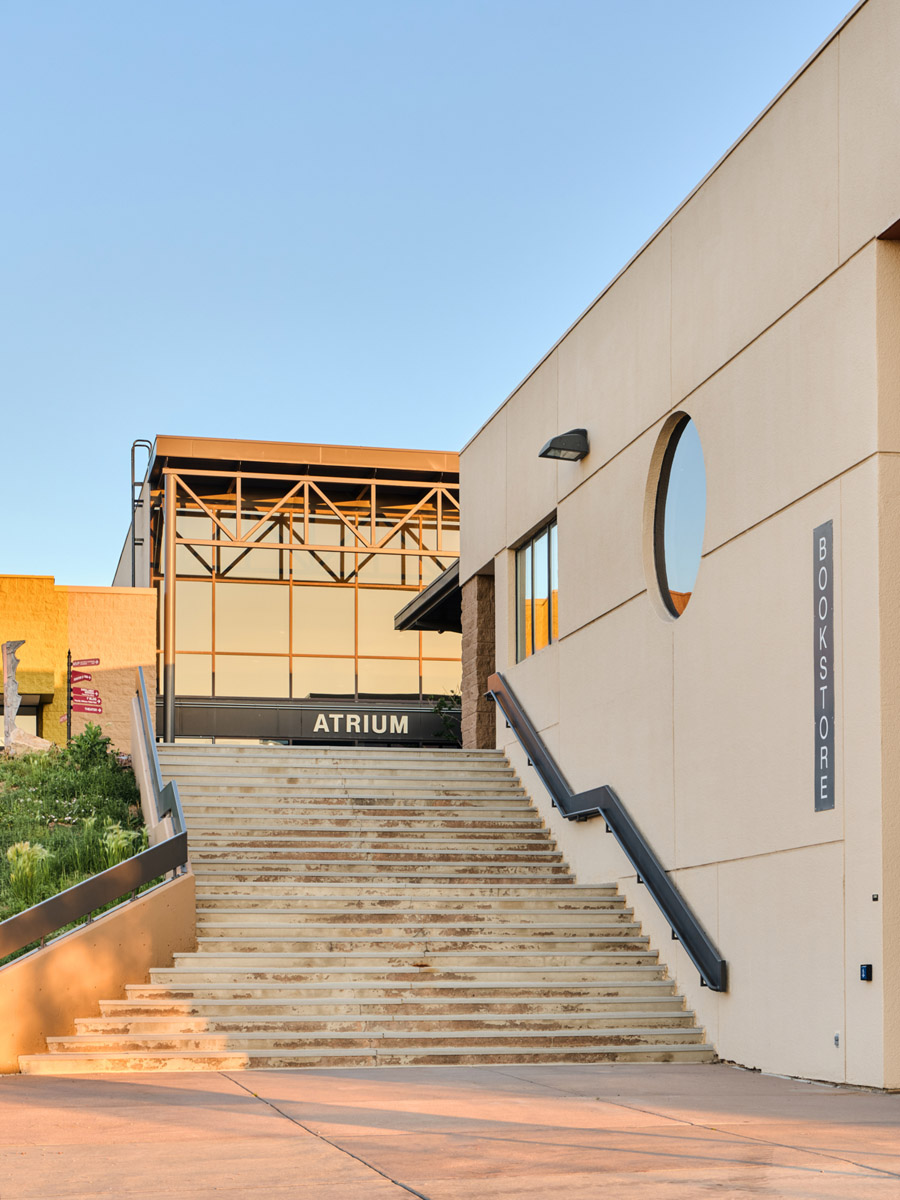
column 64, row 816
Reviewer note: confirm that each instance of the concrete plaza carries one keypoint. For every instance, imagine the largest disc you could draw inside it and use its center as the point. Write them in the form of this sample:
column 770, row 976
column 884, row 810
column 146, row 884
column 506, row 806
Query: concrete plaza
column 446, row 1133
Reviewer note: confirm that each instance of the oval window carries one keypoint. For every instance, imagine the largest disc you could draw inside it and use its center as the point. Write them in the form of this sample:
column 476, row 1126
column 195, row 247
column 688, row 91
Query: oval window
column 680, row 517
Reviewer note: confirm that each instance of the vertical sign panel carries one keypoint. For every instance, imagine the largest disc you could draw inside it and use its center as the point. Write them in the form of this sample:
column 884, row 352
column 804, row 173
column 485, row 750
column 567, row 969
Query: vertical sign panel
column 823, row 657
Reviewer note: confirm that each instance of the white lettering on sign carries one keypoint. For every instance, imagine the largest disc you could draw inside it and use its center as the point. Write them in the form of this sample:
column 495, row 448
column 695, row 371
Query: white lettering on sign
column 399, row 724
column 823, row 659
column 321, row 725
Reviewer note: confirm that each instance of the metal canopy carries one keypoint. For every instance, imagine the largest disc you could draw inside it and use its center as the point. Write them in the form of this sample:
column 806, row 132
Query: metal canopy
column 438, row 608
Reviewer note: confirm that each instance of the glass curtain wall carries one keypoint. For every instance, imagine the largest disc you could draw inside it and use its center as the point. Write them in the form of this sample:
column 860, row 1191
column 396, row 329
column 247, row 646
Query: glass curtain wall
column 304, row 605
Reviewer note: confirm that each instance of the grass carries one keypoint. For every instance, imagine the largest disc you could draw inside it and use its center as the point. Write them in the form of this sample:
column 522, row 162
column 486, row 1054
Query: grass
column 64, row 816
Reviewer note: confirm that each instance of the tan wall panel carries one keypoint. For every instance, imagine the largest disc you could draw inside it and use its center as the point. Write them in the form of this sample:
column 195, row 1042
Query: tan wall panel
column 794, row 409
column 744, row 694
column 600, row 530
column 889, row 628
column 887, row 260
column 43, row 993
column 615, row 679
column 781, row 929
column 482, row 479
column 531, row 483
column 535, row 682
column 856, row 564
column 614, row 366
column 761, row 231
column 869, row 119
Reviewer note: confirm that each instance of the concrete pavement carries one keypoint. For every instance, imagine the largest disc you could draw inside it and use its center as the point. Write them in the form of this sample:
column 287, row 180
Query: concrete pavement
column 673, row 1132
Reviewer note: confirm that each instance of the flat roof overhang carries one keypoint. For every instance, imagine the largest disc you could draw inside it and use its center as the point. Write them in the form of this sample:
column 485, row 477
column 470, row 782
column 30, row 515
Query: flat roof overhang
column 436, row 609
column 234, row 454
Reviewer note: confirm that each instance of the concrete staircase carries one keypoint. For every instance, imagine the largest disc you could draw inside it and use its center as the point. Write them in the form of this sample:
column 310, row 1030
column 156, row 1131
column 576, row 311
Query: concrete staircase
column 362, row 907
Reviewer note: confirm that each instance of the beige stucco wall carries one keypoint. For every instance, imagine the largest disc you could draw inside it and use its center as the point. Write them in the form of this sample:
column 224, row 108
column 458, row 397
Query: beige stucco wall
column 42, row 993
column 767, row 310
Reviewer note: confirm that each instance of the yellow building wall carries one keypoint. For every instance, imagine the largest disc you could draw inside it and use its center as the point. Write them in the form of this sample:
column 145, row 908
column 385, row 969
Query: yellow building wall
column 33, row 608
column 116, row 625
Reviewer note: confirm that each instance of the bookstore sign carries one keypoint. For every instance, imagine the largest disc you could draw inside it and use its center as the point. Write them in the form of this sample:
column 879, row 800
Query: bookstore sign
column 823, row 655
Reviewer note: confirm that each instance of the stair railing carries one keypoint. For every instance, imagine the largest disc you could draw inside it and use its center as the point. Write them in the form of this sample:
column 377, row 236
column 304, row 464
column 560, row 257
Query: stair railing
column 169, row 856
column 603, row 802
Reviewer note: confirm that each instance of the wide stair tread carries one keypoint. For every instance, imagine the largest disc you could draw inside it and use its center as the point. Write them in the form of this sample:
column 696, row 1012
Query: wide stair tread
column 366, row 906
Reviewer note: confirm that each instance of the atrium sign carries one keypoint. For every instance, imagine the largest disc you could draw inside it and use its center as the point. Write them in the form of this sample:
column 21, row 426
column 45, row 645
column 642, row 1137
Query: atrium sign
column 823, row 655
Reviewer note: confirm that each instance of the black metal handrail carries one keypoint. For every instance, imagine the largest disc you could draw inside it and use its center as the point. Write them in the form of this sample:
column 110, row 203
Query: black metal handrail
column 80, row 901
column 42, row 920
column 603, row 802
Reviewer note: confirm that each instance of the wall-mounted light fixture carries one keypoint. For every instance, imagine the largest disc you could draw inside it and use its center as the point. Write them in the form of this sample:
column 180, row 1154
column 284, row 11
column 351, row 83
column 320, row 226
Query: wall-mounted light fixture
column 571, row 446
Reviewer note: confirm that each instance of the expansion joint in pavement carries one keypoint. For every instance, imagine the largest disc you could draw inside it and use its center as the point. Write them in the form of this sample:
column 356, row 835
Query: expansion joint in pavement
column 327, row 1141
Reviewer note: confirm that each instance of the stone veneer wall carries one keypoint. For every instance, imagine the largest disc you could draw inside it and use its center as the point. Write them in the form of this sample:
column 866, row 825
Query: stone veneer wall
column 478, row 662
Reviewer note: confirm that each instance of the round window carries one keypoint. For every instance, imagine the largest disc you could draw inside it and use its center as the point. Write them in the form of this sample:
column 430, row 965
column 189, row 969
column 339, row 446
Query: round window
column 680, row 516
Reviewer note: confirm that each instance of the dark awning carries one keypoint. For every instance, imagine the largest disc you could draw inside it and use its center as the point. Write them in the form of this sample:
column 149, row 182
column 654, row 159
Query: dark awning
column 437, row 608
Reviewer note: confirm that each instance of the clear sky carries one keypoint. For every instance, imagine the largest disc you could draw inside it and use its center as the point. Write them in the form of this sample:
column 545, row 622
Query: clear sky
column 357, row 222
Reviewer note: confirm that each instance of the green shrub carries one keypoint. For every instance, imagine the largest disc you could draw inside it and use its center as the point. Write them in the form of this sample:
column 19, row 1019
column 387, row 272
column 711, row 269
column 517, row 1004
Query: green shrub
column 29, row 866
column 64, row 816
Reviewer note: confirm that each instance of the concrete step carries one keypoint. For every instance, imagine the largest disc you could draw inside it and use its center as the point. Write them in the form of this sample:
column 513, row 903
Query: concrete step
column 470, row 1055
column 254, row 1041
column 210, row 930
column 382, row 907
column 408, row 1005
column 420, row 988
column 362, row 976
column 267, row 855
column 301, row 946
column 145, row 1025
column 505, row 894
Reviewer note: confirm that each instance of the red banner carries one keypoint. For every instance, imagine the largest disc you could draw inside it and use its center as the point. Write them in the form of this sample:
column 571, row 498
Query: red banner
column 86, row 662
column 87, row 708
column 85, row 695
column 81, row 677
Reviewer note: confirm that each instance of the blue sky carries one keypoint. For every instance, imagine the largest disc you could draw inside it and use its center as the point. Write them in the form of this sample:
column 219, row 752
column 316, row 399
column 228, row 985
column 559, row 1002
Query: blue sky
column 353, row 222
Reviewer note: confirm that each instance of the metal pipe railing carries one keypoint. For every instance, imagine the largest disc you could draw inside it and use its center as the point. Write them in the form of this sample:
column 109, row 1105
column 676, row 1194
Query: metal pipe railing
column 603, row 802
column 169, row 856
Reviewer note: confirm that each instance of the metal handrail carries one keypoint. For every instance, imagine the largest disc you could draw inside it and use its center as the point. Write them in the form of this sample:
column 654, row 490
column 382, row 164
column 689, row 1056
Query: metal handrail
column 81, row 900
column 603, row 802
column 42, row 920
column 165, row 797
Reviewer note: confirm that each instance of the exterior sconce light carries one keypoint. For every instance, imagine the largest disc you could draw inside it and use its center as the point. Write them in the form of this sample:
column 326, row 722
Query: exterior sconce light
column 571, row 446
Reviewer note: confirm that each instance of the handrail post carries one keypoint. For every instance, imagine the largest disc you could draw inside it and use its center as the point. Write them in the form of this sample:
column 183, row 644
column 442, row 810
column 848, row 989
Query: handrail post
column 603, row 802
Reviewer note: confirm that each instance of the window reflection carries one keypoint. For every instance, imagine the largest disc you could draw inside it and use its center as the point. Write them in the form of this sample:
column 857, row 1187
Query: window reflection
column 439, row 678
column 246, row 675
column 537, row 595
column 681, row 507
column 389, row 677
column 235, row 603
column 442, row 645
column 377, row 609
column 194, row 560
column 324, row 620
column 193, row 674
column 193, row 615
column 252, row 617
column 324, row 677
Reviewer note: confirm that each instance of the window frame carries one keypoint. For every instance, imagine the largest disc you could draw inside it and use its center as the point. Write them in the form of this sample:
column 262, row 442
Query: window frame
column 525, row 578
